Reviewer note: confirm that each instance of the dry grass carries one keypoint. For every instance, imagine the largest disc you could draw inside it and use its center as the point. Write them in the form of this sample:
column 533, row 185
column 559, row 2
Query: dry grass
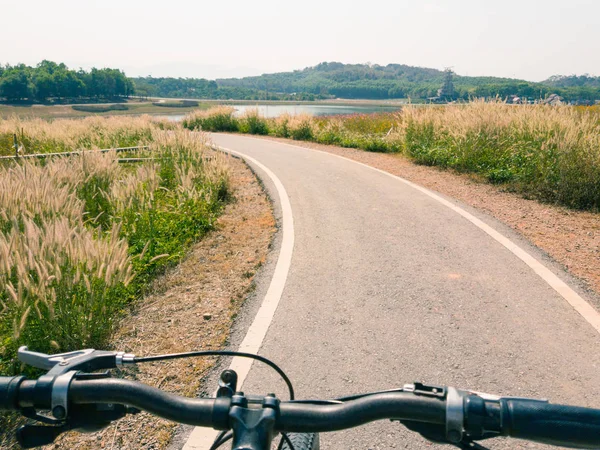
column 552, row 153
column 81, row 236
column 41, row 136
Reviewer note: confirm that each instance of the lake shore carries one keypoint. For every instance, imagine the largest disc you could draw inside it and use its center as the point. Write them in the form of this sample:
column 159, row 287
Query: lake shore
column 137, row 107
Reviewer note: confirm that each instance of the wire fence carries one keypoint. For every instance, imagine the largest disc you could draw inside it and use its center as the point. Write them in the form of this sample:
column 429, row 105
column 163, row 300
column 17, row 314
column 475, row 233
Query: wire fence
column 17, row 154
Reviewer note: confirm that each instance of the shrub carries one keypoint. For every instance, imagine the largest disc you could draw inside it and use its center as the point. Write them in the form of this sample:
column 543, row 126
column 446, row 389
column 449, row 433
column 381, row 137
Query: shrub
column 302, row 131
column 216, row 119
column 100, row 108
column 280, row 126
column 251, row 122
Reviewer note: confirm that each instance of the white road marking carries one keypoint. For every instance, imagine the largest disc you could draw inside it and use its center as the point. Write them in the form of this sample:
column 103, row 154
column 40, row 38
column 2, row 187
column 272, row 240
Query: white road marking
column 587, row 311
column 202, row 438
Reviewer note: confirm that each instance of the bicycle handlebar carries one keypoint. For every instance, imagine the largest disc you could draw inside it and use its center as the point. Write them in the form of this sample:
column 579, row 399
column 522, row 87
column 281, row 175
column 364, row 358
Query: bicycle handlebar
column 9, row 393
column 560, row 425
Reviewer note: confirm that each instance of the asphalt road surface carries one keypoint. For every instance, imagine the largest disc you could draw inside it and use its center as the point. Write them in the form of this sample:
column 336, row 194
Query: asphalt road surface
column 388, row 286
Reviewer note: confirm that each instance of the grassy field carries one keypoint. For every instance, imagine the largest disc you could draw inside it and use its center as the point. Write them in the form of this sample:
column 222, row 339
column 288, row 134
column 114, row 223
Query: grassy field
column 551, row 153
column 73, row 111
column 82, row 236
column 42, row 136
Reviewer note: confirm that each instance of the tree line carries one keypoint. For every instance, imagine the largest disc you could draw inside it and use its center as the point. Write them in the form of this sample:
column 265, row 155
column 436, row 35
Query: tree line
column 207, row 89
column 49, row 81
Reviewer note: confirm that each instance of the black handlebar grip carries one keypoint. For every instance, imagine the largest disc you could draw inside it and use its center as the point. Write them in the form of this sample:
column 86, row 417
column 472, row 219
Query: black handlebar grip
column 9, row 393
column 560, row 425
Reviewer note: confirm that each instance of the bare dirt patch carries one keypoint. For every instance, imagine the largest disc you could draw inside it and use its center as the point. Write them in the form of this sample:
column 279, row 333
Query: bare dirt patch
column 191, row 308
column 572, row 238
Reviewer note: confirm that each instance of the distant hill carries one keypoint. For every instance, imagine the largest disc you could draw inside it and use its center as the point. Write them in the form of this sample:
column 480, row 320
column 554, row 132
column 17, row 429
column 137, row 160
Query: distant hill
column 347, row 81
column 367, row 81
column 398, row 81
column 573, row 81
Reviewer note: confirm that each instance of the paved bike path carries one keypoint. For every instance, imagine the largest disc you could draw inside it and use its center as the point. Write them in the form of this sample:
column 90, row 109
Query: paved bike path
column 388, row 286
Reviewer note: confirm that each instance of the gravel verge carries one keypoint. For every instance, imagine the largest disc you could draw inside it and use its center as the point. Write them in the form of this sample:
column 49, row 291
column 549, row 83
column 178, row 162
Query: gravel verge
column 191, row 307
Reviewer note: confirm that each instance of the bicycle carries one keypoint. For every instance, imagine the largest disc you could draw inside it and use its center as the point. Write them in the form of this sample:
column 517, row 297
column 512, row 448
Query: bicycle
column 78, row 397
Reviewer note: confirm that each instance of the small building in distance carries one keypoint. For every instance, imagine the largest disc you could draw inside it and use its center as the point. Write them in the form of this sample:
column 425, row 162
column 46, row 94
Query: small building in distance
column 553, row 99
column 516, row 100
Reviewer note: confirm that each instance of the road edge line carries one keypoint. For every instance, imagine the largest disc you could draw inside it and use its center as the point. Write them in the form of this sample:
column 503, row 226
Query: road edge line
column 202, row 438
column 585, row 309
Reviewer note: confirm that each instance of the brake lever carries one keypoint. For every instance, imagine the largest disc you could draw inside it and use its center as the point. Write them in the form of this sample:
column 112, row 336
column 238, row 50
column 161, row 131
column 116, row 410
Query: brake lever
column 47, row 362
column 87, row 360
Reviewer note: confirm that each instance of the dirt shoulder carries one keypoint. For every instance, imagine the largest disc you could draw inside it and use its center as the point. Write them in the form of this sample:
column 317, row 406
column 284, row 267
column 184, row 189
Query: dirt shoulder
column 572, row 238
column 191, row 308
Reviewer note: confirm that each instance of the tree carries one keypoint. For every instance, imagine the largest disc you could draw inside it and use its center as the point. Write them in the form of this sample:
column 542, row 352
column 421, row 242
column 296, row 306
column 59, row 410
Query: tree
column 15, row 84
column 447, row 91
column 45, row 86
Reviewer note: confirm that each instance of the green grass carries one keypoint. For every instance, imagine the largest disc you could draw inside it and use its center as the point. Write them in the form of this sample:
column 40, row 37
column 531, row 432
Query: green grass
column 216, row 119
column 101, row 108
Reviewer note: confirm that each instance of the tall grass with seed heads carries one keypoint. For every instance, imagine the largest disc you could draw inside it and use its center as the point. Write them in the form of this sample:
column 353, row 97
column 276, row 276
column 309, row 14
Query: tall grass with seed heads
column 547, row 152
column 41, row 136
column 219, row 118
column 81, row 236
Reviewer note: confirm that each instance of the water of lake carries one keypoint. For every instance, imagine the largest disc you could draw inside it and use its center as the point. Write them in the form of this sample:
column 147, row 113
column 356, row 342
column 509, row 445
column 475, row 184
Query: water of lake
column 314, row 110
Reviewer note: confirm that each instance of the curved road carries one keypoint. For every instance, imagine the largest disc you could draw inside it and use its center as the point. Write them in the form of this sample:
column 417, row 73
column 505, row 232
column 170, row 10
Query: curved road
column 388, row 286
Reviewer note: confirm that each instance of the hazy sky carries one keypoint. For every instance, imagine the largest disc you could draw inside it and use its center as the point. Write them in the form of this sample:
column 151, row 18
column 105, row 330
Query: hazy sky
column 512, row 38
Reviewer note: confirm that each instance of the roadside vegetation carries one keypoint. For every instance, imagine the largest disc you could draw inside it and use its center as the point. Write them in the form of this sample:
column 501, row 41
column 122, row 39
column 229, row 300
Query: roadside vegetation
column 551, row 153
column 41, row 136
column 81, row 237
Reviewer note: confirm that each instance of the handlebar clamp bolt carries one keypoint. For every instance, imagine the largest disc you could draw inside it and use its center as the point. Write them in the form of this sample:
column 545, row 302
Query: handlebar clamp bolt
column 271, row 401
column 454, row 436
column 239, row 399
column 59, row 412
